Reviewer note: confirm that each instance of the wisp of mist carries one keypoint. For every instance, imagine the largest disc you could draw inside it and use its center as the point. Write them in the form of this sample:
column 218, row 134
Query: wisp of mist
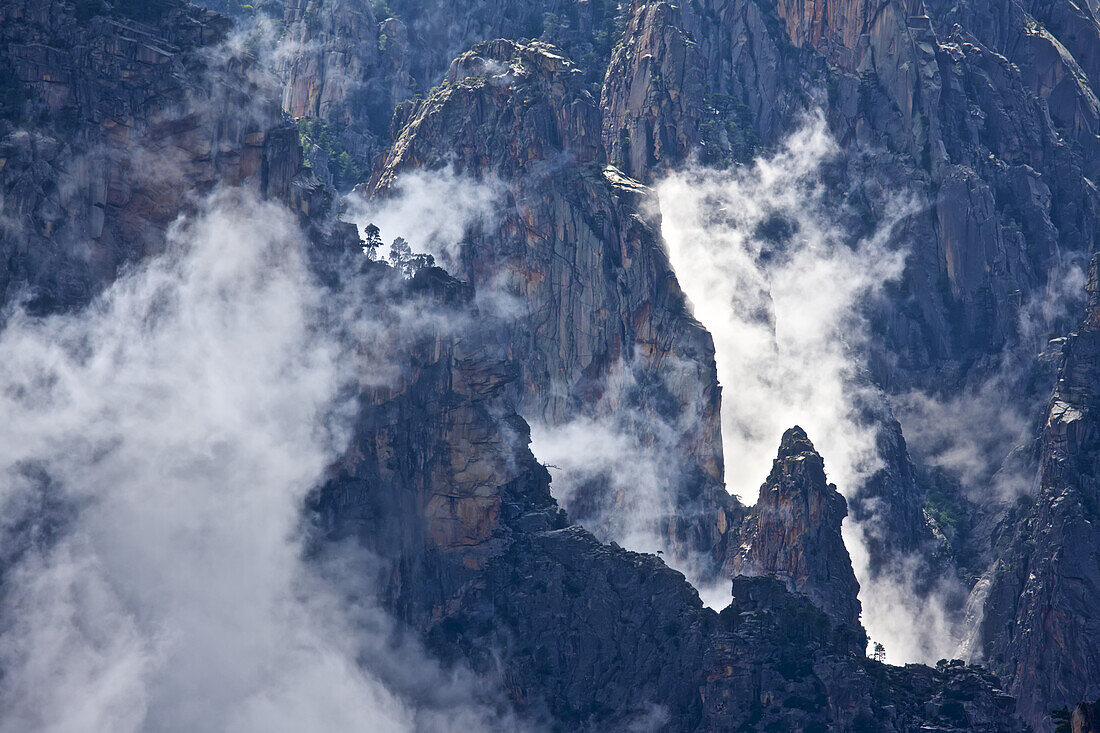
column 155, row 455
column 771, row 270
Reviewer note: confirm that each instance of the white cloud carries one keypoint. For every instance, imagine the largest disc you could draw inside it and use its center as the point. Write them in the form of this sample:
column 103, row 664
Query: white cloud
column 432, row 210
column 155, row 453
column 777, row 280
column 772, row 269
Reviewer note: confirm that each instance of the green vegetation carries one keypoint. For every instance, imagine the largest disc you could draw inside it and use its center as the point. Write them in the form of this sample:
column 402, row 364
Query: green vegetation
column 233, row 8
column 403, row 258
column 324, row 147
column 945, row 510
column 381, row 10
column 728, row 136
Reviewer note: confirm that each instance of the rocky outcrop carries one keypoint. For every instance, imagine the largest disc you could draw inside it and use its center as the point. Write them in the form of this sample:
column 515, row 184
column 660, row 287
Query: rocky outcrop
column 576, row 242
column 1041, row 628
column 439, row 484
column 343, row 72
column 1085, row 718
column 346, row 66
column 986, row 112
column 440, row 30
column 116, row 115
column 890, row 504
column 793, row 533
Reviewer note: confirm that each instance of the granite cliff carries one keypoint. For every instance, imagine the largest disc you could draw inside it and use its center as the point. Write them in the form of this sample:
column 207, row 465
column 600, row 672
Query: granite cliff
column 115, row 120
column 574, row 241
column 117, row 117
column 1040, row 626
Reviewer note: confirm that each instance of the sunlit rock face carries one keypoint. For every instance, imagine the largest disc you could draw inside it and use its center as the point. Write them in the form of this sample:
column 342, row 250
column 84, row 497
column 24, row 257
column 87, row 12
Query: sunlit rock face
column 114, row 120
column 1041, row 629
column 575, row 243
column 793, row 533
column 920, row 97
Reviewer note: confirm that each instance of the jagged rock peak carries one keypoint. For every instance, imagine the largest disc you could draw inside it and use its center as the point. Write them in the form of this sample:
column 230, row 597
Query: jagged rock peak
column 794, row 533
column 503, row 106
column 796, row 442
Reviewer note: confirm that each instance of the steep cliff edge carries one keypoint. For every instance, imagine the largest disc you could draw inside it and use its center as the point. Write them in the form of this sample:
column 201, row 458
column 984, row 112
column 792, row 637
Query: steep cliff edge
column 793, row 533
column 347, row 64
column 575, row 242
column 1041, row 629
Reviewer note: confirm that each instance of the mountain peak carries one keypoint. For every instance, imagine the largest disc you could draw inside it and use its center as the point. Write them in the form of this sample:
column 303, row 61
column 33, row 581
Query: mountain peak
column 794, row 532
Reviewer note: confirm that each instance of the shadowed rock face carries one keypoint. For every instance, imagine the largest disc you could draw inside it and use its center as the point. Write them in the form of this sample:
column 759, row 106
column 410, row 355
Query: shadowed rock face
column 347, row 64
column 1085, row 718
column 793, row 534
column 114, row 118
column 439, row 485
column 576, row 243
column 1041, row 629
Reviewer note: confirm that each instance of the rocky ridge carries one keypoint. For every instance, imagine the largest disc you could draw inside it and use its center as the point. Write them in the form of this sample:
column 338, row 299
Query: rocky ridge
column 575, row 241
column 440, row 485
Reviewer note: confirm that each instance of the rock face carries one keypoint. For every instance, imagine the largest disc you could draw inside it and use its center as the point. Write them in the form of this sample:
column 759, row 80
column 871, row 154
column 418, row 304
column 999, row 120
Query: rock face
column 1085, row 718
column 346, row 63
column 114, row 115
column 1041, row 629
column 987, row 112
column 439, row 484
column 574, row 240
column 919, row 97
column 793, row 533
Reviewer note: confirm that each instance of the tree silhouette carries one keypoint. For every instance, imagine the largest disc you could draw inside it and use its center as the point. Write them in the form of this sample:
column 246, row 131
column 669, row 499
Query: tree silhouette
column 373, row 240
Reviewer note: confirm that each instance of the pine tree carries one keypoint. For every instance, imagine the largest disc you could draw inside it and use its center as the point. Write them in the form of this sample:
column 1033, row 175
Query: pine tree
column 373, row 240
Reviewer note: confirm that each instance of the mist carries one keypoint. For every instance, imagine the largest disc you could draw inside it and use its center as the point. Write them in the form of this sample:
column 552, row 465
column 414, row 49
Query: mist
column 156, row 452
column 771, row 266
column 976, row 434
column 626, row 458
column 776, row 280
column 432, row 210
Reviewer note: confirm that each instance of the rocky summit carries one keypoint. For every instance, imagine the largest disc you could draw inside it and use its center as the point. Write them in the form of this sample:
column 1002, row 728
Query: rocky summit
column 396, row 365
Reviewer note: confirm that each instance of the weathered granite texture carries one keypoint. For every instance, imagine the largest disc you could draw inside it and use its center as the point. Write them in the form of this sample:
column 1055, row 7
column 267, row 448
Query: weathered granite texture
column 793, row 533
column 1041, row 629
column 116, row 117
column 576, row 242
